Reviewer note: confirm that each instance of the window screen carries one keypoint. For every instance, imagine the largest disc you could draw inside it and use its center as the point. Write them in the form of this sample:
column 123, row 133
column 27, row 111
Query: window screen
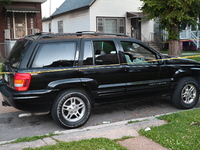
column 55, row 55
column 111, row 25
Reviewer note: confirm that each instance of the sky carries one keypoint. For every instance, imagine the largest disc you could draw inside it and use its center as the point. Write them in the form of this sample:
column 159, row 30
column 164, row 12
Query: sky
column 46, row 7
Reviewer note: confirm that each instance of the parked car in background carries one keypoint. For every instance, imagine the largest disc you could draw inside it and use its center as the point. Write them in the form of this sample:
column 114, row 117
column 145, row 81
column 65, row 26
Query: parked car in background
column 68, row 74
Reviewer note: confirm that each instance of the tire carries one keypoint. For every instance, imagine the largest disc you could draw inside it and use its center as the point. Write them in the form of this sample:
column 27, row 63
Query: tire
column 71, row 109
column 186, row 94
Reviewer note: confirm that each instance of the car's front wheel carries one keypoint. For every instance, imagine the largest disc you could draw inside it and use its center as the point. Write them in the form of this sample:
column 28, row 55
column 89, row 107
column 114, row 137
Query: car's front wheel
column 186, row 94
column 72, row 108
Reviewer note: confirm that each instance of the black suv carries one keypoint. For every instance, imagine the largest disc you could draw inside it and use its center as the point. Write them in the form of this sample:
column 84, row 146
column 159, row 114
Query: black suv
column 68, row 74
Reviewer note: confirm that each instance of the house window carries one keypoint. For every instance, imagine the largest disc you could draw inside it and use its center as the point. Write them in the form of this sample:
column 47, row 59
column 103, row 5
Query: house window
column 60, row 26
column 111, row 25
column 31, row 22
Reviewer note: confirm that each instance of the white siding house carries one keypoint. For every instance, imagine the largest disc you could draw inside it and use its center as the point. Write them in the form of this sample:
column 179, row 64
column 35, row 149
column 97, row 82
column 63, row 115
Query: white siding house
column 108, row 16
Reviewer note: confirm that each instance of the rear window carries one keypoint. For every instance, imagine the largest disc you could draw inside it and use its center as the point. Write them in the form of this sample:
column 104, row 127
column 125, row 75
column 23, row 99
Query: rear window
column 17, row 53
column 55, row 55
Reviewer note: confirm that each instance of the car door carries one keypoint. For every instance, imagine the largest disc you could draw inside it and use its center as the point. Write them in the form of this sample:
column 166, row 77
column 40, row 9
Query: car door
column 100, row 63
column 144, row 73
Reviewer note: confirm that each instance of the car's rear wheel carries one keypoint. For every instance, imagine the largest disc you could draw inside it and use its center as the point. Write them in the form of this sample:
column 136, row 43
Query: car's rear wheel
column 186, row 94
column 71, row 108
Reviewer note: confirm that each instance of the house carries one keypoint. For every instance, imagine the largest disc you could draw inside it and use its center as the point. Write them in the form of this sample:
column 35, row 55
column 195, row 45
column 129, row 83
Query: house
column 113, row 16
column 190, row 38
column 106, row 16
column 18, row 19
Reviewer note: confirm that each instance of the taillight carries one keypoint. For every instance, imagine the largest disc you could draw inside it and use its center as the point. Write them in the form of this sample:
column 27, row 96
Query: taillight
column 22, row 81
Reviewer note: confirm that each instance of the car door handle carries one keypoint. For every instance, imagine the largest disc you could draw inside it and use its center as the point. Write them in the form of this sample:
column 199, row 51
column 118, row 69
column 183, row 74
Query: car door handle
column 131, row 70
column 134, row 70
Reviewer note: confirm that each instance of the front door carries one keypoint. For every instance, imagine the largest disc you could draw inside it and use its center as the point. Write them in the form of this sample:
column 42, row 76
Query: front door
column 136, row 28
column 143, row 72
column 20, row 25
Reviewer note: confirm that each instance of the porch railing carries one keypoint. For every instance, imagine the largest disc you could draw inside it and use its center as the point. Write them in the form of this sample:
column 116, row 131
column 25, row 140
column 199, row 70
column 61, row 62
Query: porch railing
column 156, row 38
column 10, row 35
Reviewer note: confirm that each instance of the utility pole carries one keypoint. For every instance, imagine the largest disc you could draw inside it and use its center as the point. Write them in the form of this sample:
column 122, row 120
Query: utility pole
column 49, row 8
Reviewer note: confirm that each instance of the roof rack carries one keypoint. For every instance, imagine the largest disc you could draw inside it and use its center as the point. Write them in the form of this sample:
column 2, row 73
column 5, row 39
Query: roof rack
column 44, row 35
column 37, row 35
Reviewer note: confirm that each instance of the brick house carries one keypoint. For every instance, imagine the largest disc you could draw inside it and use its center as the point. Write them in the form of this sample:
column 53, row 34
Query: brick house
column 18, row 19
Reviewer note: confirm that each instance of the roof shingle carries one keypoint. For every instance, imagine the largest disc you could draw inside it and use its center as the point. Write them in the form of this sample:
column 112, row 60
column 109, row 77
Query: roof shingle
column 69, row 5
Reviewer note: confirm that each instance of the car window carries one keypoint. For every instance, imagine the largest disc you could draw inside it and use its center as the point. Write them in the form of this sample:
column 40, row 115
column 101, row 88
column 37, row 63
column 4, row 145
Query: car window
column 137, row 54
column 17, row 53
column 55, row 55
column 100, row 53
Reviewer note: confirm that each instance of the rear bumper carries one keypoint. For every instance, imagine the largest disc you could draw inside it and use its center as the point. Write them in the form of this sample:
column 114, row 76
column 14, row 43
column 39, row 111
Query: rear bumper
column 32, row 100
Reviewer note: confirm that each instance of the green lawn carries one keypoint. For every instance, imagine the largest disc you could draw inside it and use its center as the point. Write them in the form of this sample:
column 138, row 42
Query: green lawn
column 179, row 133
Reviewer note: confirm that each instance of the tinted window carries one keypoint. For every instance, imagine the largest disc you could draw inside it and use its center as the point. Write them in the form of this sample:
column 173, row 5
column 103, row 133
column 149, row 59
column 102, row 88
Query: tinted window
column 17, row 53
column 100, row 53
column 55, row 55
column 137, row 54
column 105, row 53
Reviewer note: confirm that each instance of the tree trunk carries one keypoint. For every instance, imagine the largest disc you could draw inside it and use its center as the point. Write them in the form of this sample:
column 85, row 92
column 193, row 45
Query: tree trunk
column 174, row 48
column 174, row 43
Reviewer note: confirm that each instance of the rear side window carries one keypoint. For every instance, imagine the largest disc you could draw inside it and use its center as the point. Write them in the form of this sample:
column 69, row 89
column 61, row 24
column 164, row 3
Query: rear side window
column 17, row 53
column 55, row 55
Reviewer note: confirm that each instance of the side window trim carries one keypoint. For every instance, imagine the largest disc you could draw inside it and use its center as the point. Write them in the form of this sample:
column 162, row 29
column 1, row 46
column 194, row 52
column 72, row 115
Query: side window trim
column 35, row 49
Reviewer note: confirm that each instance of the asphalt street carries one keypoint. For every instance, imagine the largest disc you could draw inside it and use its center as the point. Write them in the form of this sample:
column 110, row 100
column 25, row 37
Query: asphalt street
column 13, row 127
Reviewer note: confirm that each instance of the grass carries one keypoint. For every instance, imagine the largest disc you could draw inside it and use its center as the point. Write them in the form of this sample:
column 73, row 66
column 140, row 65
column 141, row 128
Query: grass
column 178, row 134
column 129, row 122
column 195, row 58
column 33, row 138
column 166, row 52
column 123, row 138
column 91, row 144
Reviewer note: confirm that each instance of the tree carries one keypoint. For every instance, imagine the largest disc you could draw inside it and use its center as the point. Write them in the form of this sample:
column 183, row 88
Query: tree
column 5, row 2
column 171, row 14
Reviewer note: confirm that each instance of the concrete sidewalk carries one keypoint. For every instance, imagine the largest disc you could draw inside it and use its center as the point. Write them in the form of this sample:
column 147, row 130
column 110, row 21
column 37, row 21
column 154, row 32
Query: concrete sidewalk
column 111, row 131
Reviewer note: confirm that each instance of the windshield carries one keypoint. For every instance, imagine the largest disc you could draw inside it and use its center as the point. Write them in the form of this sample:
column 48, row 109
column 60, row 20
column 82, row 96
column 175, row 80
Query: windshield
column 17, row 53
